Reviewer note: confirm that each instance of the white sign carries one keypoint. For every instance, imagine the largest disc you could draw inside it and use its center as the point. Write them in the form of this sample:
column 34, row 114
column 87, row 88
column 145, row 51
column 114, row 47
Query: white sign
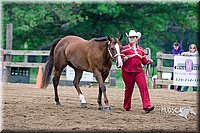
column 186, row 70
column 70, row 74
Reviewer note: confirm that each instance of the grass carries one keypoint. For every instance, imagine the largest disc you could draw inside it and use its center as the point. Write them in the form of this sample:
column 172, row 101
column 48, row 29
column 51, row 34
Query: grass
column 190, row 89
column 33, row 75
column 120, row 84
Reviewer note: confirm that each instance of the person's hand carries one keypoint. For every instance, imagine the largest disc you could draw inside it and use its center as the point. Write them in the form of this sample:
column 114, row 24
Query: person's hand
column 150, row 61
column 125, row 58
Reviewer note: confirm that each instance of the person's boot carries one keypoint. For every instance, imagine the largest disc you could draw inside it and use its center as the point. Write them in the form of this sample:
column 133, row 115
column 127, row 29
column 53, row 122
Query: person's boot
column 147, row 110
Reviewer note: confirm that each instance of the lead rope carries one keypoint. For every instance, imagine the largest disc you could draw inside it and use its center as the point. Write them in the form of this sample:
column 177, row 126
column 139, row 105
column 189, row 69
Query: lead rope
column 148, row 72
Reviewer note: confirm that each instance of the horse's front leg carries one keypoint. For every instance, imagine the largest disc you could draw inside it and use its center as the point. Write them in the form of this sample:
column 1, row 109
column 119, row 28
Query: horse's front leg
column 99, row 99
column 100, row 81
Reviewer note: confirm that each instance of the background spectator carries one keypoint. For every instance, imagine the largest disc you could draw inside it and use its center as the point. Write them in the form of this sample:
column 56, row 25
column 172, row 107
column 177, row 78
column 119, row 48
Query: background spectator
column 192, row 52
column 177, row 49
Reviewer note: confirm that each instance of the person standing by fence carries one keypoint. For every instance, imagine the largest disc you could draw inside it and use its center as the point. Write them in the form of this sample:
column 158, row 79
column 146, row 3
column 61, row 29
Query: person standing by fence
column 192, row 52
column 132, row 72
column 177, row 49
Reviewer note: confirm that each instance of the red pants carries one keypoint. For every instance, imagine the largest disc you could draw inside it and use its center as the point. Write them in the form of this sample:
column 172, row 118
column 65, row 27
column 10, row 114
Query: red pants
column 129, row 79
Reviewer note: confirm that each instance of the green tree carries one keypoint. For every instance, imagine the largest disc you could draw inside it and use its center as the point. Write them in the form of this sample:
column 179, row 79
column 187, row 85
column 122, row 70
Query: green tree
column 38, row 24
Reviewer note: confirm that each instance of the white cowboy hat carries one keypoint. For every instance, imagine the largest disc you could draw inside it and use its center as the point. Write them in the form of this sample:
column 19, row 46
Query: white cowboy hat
column 133, row 33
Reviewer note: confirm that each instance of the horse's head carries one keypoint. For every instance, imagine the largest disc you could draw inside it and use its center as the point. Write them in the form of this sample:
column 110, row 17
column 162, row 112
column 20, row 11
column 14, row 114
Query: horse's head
column 114, row 48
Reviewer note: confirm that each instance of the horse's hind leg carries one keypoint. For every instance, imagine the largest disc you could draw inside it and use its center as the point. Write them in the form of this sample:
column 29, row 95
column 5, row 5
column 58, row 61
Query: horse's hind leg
column 56, row 79
column 57, row 72
column 77, row 78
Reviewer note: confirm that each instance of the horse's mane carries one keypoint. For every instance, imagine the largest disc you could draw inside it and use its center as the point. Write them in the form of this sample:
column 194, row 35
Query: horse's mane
column 101, row 39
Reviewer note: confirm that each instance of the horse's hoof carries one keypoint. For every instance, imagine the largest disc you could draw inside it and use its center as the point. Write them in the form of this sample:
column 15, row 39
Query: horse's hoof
column 58, row 103
column 83, row 105
column 101, row 108
column 107, row 108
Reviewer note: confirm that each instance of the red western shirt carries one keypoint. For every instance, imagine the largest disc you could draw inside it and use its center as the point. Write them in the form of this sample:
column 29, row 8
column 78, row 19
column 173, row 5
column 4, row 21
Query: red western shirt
column 136, row 57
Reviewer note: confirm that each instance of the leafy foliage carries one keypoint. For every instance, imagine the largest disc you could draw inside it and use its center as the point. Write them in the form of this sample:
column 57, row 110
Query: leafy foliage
column 38, row 24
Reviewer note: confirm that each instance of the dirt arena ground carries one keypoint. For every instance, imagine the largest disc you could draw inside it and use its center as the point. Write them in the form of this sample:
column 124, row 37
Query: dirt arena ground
column 26, row 108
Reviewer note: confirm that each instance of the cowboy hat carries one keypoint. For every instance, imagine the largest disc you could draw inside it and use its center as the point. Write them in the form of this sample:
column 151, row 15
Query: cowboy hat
column 133, row 33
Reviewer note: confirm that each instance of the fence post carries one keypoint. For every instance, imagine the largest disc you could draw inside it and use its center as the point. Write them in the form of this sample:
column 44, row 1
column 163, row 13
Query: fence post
column 25, row 57
column 159, row 64
column 9, row 36
column 2, row 65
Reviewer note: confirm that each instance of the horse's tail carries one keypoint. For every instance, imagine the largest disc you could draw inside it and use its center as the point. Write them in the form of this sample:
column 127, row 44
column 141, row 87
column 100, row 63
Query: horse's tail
column 49, row 65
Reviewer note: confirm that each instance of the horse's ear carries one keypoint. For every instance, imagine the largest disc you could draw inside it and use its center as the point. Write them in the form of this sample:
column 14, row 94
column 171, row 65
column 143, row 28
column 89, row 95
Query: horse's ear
column 109, row 38
column 120, row 37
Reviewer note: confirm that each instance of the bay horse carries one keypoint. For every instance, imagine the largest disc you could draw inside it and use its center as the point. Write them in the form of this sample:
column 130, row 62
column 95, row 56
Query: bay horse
column 93, row 55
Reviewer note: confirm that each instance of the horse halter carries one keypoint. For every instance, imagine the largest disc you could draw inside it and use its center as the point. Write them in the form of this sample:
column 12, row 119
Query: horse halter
column 118, row 54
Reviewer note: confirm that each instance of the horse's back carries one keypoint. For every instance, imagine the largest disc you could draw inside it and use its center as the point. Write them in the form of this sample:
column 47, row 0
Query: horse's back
column 74, row 39
column 74, row 49
column 72, row 43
